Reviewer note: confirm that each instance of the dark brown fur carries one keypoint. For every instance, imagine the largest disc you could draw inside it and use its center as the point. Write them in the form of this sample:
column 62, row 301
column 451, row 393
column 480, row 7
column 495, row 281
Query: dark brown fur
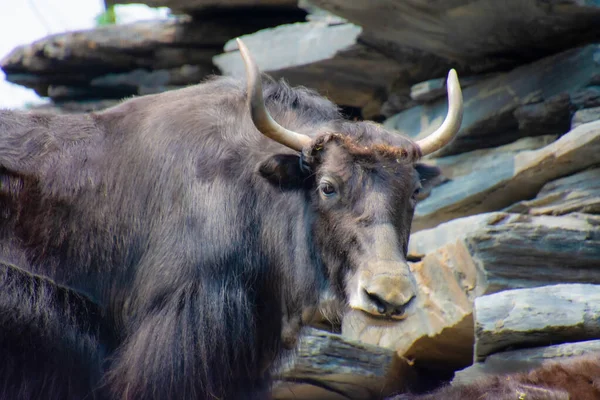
column 202, row 240
column 574, row 379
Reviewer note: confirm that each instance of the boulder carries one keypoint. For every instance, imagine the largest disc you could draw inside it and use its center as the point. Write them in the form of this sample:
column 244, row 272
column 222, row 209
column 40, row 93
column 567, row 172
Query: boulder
column 536, row 317
column 511, row 179
column 458, row 261
column 495, row 109
column 516, row 251
column 162, row 51
column 328, row 366
column 524, row 360
column 497, row 32
column 575, row 193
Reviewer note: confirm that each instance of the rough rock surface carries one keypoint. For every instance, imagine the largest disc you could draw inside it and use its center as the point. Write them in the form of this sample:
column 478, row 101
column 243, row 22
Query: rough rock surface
column 470, row 257
column 472, row 31
column 327, row 366
column 159, row 53
column 575, row 193
column 515, row 178
column 536, row 317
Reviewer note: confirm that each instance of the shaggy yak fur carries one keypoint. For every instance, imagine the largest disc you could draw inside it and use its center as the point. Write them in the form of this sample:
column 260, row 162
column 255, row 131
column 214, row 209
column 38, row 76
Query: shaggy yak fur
column 574, row 379
column 161, row 249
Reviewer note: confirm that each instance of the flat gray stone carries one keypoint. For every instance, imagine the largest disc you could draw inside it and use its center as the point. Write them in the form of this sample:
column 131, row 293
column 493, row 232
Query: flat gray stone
column 328, row 366
column 310, row 42
column 579, row 192
column 511, row 179
column 324, row 57
column 137, row 82
column 536, row 317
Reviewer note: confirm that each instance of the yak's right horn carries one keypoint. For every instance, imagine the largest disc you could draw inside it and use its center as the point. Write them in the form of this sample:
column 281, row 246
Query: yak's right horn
column 260, row 116
column 446, row 132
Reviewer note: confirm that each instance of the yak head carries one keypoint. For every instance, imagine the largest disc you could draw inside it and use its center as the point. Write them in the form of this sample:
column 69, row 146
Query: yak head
column 363, row 182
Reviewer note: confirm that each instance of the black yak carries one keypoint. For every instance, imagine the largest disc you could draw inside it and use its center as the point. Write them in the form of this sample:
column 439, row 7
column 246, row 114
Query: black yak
column 194, row 231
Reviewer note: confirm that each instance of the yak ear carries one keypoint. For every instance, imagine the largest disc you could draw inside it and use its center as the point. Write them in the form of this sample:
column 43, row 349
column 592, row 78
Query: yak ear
column 284, row 170
column 429, row 177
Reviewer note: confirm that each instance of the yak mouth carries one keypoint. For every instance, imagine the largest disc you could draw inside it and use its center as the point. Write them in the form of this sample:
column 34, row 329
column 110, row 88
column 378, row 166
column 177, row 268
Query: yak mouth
column 380, row 317
column 374, row 307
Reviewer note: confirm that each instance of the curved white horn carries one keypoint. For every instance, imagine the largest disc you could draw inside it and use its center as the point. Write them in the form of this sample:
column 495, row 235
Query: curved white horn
column 260, row 116
column 446, row 132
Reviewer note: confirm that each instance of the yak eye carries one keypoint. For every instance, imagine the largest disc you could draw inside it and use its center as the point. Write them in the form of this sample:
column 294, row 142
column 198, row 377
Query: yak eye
column 327, row 189
column 416, row 193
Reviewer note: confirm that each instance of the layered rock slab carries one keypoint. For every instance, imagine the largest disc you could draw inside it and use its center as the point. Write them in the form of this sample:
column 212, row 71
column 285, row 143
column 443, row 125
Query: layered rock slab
column 579, row 192
column 466, row 163
column 536, row 317
column 512, row 179
column 328, row 366
column 166, row 53
column 466, row 30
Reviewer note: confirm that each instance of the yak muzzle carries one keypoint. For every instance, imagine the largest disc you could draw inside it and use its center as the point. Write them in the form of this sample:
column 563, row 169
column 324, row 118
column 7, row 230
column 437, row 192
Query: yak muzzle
column 383, row 290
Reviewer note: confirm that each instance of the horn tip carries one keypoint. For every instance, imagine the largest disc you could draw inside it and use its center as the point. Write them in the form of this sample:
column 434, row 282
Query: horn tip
column 241, row 45
column 452, row 77
column 250, row 65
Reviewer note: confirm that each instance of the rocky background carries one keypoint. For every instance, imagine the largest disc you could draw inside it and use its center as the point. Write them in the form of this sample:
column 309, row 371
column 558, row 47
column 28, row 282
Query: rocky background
column 506, row 250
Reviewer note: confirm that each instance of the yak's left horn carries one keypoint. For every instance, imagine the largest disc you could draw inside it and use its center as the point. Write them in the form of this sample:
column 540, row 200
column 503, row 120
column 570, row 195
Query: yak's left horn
column 260, row 116
column 446, row 132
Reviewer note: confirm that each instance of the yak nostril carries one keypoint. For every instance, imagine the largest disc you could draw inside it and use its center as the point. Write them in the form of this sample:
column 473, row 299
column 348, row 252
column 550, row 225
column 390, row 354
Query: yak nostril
column 385, row 308
column 378, row 302
column 398, row 311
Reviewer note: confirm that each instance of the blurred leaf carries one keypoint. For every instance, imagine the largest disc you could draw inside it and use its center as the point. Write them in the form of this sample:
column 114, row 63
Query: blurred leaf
column 108, row 17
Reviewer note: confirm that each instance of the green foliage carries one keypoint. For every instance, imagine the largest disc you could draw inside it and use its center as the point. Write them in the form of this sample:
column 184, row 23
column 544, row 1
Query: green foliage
column 108, row 17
